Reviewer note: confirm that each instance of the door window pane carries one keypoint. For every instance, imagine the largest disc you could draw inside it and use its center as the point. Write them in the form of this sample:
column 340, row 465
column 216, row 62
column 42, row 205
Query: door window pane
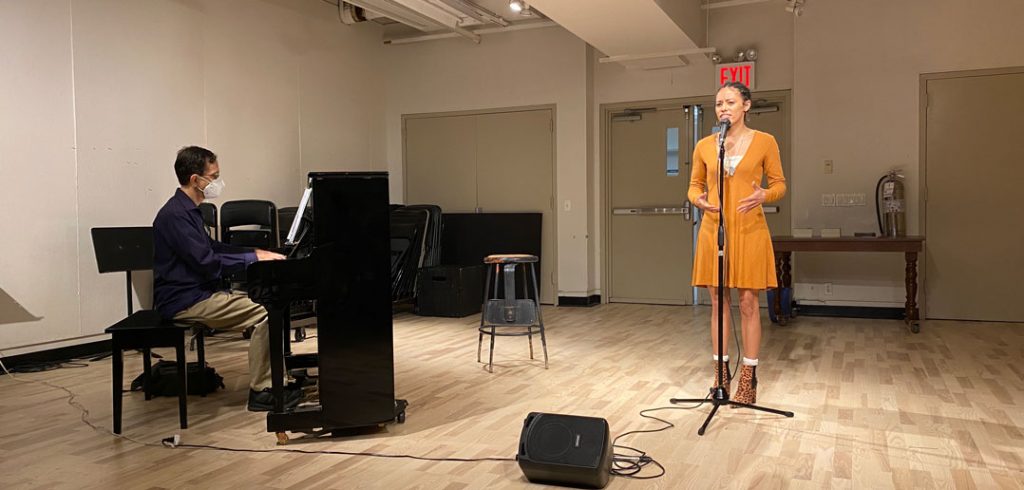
column 672, row 152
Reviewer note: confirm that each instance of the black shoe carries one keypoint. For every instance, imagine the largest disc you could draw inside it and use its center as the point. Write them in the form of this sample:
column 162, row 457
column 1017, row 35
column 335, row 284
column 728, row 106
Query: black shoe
column 263, row 401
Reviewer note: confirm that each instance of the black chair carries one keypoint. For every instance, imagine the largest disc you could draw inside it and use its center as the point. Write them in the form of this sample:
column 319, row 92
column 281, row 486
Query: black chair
column 248, row 213
column 126, row 250
column 209, row 211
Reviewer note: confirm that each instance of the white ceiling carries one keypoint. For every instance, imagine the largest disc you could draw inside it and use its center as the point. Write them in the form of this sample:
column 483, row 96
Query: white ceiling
column 639, row 33
column 618, row 27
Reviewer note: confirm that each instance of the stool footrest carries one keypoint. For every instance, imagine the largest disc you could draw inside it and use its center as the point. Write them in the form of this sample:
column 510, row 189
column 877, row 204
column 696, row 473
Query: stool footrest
column 526, row 330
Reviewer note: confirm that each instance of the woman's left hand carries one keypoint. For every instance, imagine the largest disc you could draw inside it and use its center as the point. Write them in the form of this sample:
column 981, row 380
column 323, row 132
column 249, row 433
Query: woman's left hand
column 754, row 200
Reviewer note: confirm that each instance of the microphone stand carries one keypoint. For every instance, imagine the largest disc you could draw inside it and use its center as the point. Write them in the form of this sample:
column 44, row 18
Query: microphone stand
column 719, row 396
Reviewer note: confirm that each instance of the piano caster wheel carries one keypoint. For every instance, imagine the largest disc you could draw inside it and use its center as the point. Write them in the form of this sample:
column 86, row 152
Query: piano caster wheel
column 247, row 333
column 282, row 438
column 400, row 418
column 915, row 327
column 300, row 334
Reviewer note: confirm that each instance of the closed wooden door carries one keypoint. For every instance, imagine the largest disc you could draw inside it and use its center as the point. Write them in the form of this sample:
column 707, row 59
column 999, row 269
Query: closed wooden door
column 651, row 232
column 973, row 210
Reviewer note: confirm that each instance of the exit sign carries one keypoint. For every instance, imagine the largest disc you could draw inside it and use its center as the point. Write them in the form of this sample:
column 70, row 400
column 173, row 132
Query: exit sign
column 735, row 72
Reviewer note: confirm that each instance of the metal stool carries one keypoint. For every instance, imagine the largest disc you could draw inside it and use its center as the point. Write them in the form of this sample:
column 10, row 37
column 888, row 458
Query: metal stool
column 521, row 314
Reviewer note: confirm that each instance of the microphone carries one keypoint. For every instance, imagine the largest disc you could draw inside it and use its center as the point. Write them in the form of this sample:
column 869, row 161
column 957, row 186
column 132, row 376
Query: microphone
column 723, row 125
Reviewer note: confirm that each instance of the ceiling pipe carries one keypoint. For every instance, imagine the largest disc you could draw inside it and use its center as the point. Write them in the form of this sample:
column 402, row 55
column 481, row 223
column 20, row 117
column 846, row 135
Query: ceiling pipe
column 519, row 26
column 668, row 54
column 731, row 3
column 417, row 18
column 477, row 12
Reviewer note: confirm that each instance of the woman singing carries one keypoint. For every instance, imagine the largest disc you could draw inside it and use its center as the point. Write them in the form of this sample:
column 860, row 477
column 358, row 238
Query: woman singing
column 749, row 258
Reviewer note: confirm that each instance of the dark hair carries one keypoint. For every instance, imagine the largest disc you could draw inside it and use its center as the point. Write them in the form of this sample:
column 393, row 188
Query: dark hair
column 192, row 160
column 742, row 89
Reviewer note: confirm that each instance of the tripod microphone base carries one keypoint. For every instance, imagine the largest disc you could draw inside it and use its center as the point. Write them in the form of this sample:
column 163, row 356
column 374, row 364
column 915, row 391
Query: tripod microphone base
column 718, row 398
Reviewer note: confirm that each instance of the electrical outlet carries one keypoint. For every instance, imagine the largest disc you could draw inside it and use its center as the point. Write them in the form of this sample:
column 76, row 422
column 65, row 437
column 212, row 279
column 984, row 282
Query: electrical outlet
column 828, row 166
column 845, row 200
column 828, row 200
column 828, row 289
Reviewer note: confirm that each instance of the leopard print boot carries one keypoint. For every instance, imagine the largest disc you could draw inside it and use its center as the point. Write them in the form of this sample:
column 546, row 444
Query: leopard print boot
column 747, row 391
column 727, row 376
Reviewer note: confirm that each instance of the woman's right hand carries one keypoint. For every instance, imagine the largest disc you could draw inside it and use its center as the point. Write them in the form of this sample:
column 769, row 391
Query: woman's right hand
column 703, row 204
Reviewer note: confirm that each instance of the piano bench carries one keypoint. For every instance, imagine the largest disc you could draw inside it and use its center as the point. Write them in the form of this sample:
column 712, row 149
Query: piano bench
column 147, row 330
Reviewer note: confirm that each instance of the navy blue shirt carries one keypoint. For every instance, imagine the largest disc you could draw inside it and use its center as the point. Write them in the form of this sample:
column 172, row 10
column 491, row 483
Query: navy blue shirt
column 187, row 263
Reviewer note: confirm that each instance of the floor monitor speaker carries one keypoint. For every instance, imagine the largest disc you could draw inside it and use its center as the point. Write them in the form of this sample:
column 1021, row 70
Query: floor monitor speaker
column 565, row 450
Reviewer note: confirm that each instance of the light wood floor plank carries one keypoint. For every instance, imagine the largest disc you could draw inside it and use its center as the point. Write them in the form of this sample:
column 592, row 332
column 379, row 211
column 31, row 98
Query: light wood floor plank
column 876, row 407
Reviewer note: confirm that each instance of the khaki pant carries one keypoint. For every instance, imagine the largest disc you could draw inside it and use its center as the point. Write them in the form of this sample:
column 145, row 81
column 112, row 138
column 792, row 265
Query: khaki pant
column 234, row 310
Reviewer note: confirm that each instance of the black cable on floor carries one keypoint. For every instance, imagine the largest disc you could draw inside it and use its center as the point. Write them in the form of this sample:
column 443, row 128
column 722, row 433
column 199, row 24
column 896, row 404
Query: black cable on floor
column 169, row 442
column 630, row 465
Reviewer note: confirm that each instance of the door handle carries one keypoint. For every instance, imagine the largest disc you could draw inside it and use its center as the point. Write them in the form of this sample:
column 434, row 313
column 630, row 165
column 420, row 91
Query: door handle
column 683, row 211
column 652, row 211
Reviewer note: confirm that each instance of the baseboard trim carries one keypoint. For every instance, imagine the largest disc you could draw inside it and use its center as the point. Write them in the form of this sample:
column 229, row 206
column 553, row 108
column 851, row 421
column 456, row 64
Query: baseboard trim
column 593, row 299
column 59, row 354
column 876, row 312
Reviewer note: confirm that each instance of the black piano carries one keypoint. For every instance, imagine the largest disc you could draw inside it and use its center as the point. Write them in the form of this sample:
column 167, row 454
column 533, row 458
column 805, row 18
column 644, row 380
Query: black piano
column 347, row 270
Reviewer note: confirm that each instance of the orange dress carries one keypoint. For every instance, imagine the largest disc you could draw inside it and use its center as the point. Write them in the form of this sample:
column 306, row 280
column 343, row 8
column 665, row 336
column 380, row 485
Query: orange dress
column 750, row 259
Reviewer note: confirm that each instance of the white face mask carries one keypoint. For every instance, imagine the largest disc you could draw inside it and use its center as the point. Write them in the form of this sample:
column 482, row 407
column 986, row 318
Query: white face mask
column 214, row 188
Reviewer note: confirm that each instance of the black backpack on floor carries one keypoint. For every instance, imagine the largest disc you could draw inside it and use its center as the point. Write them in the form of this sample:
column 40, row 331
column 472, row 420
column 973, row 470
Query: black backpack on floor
column 163, row 379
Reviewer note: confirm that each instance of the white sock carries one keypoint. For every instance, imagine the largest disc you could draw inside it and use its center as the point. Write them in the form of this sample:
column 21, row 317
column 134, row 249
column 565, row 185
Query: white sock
column 749, row 362
column 724, row 358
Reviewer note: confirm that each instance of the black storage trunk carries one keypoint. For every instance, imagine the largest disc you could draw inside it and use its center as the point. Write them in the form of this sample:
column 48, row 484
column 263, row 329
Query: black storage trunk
column 450, row 290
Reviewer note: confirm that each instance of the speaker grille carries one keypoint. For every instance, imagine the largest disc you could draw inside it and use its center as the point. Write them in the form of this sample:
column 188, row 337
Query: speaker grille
column 551, row 441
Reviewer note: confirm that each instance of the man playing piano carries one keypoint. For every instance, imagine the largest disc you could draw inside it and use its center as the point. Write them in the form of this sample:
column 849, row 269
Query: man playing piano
column 188, row 266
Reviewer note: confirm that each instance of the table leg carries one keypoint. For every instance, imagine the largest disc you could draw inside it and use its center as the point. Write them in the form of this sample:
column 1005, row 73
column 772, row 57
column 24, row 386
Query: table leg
column 787, row 278
column 911, row 312
column 777, row 304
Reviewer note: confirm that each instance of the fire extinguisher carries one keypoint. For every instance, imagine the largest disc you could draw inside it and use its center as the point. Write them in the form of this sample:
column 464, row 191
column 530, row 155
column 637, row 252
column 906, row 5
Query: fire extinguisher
column 890, row 204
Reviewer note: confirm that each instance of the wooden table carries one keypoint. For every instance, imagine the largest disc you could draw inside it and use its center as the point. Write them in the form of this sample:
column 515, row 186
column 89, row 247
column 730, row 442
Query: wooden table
column 910, row 246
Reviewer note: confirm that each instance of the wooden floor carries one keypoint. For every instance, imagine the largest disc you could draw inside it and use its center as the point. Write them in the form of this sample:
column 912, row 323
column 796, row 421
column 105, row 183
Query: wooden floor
column 876, row 407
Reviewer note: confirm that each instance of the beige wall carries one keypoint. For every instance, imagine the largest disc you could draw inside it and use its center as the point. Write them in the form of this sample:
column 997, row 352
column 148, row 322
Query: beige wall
column 766, row 27
column 39, row 258
column 856, row 92
column 96, row 97
column 522, row 68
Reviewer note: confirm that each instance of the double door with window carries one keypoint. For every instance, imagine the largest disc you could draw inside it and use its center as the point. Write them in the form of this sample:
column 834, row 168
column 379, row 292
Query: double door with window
column 651, row 224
